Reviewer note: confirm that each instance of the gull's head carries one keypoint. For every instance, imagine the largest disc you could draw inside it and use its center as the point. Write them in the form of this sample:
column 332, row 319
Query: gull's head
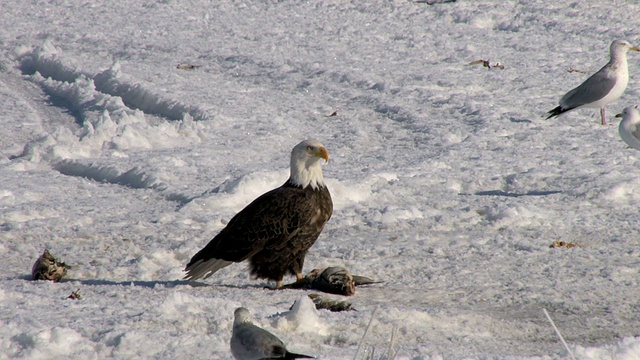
column 622, row 47
column 241, row 316
column 630, row 113
column 306, row 164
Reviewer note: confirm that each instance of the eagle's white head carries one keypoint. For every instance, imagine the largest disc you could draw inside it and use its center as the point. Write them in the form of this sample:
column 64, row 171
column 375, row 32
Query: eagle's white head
column 306, row 168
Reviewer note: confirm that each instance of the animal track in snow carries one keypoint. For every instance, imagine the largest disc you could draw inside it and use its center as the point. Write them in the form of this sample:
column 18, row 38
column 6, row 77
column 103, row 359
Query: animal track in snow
column 47, row 62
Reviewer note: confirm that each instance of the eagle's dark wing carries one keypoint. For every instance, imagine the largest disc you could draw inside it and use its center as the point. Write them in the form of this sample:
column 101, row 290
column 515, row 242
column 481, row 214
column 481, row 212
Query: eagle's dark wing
column 269, row 221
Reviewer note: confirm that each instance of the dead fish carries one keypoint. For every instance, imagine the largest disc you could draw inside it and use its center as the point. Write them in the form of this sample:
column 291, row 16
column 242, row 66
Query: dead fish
column 48, row 268
column 325, row 302
column 333, row 280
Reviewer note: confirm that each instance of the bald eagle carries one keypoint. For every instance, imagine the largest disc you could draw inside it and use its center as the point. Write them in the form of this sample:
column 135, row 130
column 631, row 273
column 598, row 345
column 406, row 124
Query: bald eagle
column 275, row 231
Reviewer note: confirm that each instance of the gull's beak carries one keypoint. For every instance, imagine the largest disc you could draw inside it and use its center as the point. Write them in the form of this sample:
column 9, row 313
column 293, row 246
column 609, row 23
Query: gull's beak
column 635, row 48
column 618, row 115
column 323, row 153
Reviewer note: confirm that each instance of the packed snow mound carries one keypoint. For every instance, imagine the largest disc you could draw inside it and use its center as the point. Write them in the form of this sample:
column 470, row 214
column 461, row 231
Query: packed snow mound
column 302, row 318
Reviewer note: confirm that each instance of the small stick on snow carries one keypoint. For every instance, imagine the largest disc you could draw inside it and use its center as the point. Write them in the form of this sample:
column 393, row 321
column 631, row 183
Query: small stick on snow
column 559, row 335
column 572, row 69
column 365, row 334
column 390, row 351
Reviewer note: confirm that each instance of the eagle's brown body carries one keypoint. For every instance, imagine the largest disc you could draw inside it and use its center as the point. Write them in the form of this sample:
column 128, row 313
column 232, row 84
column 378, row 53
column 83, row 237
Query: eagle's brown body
column 274, row 232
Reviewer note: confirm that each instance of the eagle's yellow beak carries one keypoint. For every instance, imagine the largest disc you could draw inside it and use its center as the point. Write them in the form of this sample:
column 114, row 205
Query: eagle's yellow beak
column 618, row 115
column 323, row 153
column 635, row 48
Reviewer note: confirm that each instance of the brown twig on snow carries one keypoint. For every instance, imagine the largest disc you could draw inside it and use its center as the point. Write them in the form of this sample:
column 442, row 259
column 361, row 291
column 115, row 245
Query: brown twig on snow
column 562, row 244
column 487, row 64
column 75, row 295
column 187, row 67
column 572, row 70
column 433, row 2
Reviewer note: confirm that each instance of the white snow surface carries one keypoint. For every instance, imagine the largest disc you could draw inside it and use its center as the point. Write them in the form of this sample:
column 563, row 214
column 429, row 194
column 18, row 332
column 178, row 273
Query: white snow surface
column 448, row 184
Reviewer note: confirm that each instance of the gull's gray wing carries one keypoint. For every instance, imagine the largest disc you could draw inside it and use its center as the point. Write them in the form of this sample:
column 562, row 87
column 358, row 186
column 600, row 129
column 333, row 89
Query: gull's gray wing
column 632, row 137
column 635, row 130
column 250, row 341
column 591, row 90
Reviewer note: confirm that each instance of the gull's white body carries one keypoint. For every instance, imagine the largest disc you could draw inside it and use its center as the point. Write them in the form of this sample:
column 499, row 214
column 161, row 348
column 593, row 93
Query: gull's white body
column 629, row 127
column 250, row 342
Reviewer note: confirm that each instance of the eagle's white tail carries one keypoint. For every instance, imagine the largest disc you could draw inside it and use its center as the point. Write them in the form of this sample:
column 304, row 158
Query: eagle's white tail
column 203, row 269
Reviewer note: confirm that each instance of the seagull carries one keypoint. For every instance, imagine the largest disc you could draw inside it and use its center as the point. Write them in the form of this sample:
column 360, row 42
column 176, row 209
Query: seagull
column 249, row 342
column 603, row 87
column 629, row 128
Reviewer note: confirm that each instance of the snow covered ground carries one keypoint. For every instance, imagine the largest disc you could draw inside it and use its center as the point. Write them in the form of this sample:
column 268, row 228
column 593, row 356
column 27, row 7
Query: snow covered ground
column 448, row 184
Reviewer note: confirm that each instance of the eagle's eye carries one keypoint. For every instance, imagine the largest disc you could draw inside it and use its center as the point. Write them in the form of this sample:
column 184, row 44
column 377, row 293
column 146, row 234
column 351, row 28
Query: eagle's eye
column 309, row 148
